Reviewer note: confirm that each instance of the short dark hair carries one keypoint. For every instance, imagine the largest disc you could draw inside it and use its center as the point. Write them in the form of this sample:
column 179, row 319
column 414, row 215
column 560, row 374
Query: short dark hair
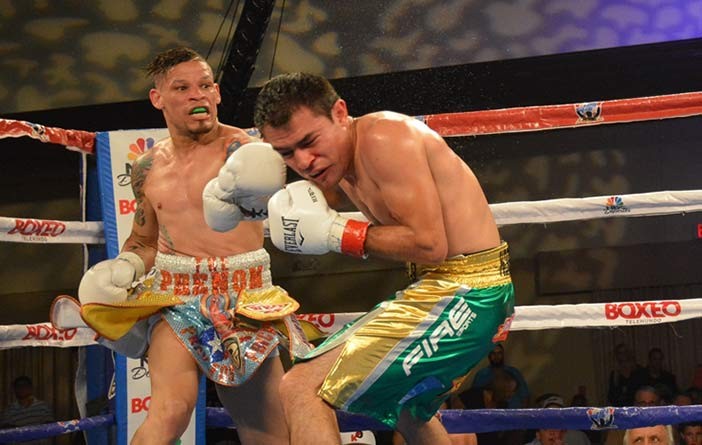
column 655, row 350
column 682, row 426
column 281, row 96
column 22, row 380
column 170, row 58
column 548, row 397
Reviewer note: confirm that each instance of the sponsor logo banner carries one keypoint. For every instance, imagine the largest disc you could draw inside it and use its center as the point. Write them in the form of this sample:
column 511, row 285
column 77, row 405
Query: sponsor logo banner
column 32, row 230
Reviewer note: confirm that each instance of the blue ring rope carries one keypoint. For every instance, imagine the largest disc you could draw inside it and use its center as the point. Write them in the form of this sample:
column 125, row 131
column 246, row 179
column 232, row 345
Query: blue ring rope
column 484, row 420
column 455, row 421
column 25, row 433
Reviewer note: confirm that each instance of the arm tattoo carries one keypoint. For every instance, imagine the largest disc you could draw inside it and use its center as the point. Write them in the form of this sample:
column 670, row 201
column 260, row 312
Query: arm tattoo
column 233, row 147
column 140, row 169
column 166, row 237
column 139, row 216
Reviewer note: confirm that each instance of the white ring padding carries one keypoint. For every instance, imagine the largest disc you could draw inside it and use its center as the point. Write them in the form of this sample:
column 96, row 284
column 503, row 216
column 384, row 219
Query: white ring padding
column 606, row 206
column 32, row 230
column 29, row 230
column 585, row 315
column 573, row 209
column 526, row 318
column 44, row 334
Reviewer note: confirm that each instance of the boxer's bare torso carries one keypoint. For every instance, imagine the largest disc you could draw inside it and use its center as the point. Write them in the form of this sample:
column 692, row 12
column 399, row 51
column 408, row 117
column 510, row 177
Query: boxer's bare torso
column 168, row 181
column 382, row 193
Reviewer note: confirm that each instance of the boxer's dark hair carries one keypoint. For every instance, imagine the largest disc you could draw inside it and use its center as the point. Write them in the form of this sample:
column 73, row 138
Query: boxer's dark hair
column 168, row 59
column 283, row 94
column 22, row 380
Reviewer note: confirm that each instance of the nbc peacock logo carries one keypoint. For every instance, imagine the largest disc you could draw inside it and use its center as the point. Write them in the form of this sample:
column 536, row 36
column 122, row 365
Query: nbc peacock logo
column 136, row 149
column 615, row 204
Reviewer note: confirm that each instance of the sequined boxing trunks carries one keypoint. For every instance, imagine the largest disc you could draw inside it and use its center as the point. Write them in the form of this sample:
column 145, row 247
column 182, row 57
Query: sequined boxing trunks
column 224, row 310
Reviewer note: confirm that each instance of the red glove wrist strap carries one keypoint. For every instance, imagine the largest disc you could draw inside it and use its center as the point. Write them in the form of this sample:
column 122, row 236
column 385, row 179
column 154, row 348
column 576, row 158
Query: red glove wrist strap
column 354, row 238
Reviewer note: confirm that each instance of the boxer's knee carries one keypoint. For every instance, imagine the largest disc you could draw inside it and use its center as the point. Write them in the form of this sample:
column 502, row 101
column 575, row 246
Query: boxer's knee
column 296, row 387
column 170, row 418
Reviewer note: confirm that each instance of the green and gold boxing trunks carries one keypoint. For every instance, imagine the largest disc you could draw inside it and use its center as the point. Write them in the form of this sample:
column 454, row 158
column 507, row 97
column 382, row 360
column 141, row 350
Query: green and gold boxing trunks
column 412, row 351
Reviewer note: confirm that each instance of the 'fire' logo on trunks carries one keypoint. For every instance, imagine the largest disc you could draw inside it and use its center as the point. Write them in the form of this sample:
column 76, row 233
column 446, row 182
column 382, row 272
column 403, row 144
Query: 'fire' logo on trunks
column 459, row 318
column 289, row 235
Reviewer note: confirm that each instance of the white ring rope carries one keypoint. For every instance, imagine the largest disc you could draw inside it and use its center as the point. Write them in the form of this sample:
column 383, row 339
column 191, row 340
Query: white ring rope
column 73, row 332
column 28, row 230
column 32, row 230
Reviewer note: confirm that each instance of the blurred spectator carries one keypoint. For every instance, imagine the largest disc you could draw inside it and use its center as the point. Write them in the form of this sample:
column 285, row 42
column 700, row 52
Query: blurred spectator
column 494, row 395
column 682, row 399
column 549, row 437
column 644, row 396
column 580, row 399
column 654, row 375
column 695, row 390
column 621, row 387
column 556, row 436
column 690, row 433
column 649, row 435
column 520, row 399
column 455, row 438
column 26, row 409
column 647, row 396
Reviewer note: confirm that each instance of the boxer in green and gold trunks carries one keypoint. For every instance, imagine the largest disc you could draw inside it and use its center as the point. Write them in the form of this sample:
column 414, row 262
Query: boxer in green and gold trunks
column 422, row 205
column 419, row 346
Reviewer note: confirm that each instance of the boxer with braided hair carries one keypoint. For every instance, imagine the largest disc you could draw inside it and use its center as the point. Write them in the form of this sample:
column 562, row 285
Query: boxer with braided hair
column 201, row 195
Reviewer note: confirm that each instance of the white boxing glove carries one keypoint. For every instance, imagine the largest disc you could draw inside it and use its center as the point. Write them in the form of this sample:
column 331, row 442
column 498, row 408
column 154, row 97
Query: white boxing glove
column 108, row 281
column 300, row 221
column 241, row 189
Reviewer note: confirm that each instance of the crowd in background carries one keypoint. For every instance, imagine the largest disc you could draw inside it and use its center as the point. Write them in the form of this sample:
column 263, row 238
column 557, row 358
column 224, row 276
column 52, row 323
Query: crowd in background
column 500, row 385
column 26, row 409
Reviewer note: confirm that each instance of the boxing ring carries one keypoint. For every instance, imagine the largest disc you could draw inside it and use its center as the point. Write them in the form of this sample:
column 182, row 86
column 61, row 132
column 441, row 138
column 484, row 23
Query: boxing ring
column 67, row 330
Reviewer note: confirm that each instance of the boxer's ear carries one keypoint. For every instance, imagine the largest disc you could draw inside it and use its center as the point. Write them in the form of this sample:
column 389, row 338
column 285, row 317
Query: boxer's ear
column 339, row 112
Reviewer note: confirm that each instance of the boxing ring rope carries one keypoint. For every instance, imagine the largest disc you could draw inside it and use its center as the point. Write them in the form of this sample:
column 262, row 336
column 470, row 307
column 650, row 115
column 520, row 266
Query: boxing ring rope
column 454, row 420
column 470, row 123
column 486, row 420
column 551, row 117
column 74, row 333
column 25, row 433
column 525, row 318
column 30, row 230
column 76, row 140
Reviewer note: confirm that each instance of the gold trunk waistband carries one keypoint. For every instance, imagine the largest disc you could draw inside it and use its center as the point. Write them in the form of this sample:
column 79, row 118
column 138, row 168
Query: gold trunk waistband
column 482, row 269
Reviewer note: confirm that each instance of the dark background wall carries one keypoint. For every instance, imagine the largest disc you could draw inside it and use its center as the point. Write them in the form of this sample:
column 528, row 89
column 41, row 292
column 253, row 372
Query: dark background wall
column 70, row 52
